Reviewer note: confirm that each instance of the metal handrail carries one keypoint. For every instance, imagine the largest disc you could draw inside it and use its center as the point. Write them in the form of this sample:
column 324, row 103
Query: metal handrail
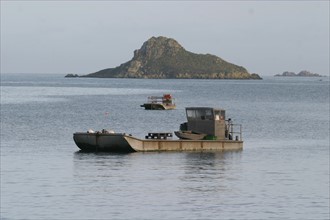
column 235, row 131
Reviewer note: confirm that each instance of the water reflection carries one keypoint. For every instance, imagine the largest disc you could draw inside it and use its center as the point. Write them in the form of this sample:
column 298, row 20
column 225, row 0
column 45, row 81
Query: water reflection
column 206, row 160
column 210, row 171
column 90, row 159
column 177, row 173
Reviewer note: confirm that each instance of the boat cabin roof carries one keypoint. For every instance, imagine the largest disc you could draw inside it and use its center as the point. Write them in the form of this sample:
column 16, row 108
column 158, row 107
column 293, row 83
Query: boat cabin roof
column 203, row 108
column 205, row 113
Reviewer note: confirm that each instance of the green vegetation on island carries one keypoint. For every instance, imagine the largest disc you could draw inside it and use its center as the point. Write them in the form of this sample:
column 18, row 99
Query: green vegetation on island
column 165, row 58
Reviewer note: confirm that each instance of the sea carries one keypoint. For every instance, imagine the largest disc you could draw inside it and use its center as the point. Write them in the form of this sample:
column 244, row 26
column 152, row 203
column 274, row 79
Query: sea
column 281, row 173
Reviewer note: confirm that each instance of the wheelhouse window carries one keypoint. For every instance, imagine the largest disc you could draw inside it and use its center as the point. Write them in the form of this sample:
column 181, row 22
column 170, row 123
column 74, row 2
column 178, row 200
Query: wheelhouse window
column 200, row 114
column 219, row 115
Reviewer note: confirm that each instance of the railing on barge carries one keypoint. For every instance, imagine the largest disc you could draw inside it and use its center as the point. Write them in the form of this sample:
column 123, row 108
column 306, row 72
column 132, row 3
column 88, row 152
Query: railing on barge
column 235, row 132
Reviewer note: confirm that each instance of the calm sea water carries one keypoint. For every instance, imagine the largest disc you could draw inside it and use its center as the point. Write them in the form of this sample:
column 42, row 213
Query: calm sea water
column 282, row 172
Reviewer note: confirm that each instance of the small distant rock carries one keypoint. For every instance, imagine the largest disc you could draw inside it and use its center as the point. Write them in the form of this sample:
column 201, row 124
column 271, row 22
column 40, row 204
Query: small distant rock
column 307, row 73
column 72, row 75
column 287, row 73
column 303, row 73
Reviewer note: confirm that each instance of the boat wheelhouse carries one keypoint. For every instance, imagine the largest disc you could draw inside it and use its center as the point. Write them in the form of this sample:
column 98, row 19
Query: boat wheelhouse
column 208, row 123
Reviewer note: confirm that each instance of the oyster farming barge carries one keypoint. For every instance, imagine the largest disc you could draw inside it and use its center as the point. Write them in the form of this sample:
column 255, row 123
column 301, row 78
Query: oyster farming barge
column 206, row 129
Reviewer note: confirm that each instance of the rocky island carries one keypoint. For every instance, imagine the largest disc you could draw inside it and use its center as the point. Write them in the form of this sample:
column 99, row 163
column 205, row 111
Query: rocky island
column 303, row 73
column 71, row 75
column 165, row 58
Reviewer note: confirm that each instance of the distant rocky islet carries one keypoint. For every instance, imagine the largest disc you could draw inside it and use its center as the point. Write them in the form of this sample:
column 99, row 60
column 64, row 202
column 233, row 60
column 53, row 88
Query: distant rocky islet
column 303, row 73
column 71, row 75
column 165, row 58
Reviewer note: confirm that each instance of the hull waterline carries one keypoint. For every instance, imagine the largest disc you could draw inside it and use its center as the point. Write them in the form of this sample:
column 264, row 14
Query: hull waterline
column 126, row 143
column 102, row 142
column 157, row 106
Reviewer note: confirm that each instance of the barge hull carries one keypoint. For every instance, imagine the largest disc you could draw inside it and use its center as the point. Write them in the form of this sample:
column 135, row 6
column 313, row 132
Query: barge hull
column 183, row 145
column 157, row 106
column 124, row 143
column 102, row 142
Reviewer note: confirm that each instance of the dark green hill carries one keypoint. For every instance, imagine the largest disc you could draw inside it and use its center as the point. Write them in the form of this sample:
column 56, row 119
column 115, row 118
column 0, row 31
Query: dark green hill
column 163, row 57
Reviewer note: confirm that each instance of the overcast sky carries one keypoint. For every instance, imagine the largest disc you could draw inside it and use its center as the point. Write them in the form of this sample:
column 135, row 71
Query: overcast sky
column 266, row 37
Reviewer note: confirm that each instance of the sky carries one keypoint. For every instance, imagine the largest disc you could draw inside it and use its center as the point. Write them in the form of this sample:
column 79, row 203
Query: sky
column 81, row 37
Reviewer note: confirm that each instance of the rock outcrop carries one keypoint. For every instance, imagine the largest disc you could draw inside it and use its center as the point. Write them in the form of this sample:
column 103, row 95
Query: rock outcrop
column 71, row 75
column 303, row 73
column 162, row 58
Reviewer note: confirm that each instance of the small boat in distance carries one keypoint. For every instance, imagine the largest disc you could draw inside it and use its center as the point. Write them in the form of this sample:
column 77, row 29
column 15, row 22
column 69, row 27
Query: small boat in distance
column 165, row 102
